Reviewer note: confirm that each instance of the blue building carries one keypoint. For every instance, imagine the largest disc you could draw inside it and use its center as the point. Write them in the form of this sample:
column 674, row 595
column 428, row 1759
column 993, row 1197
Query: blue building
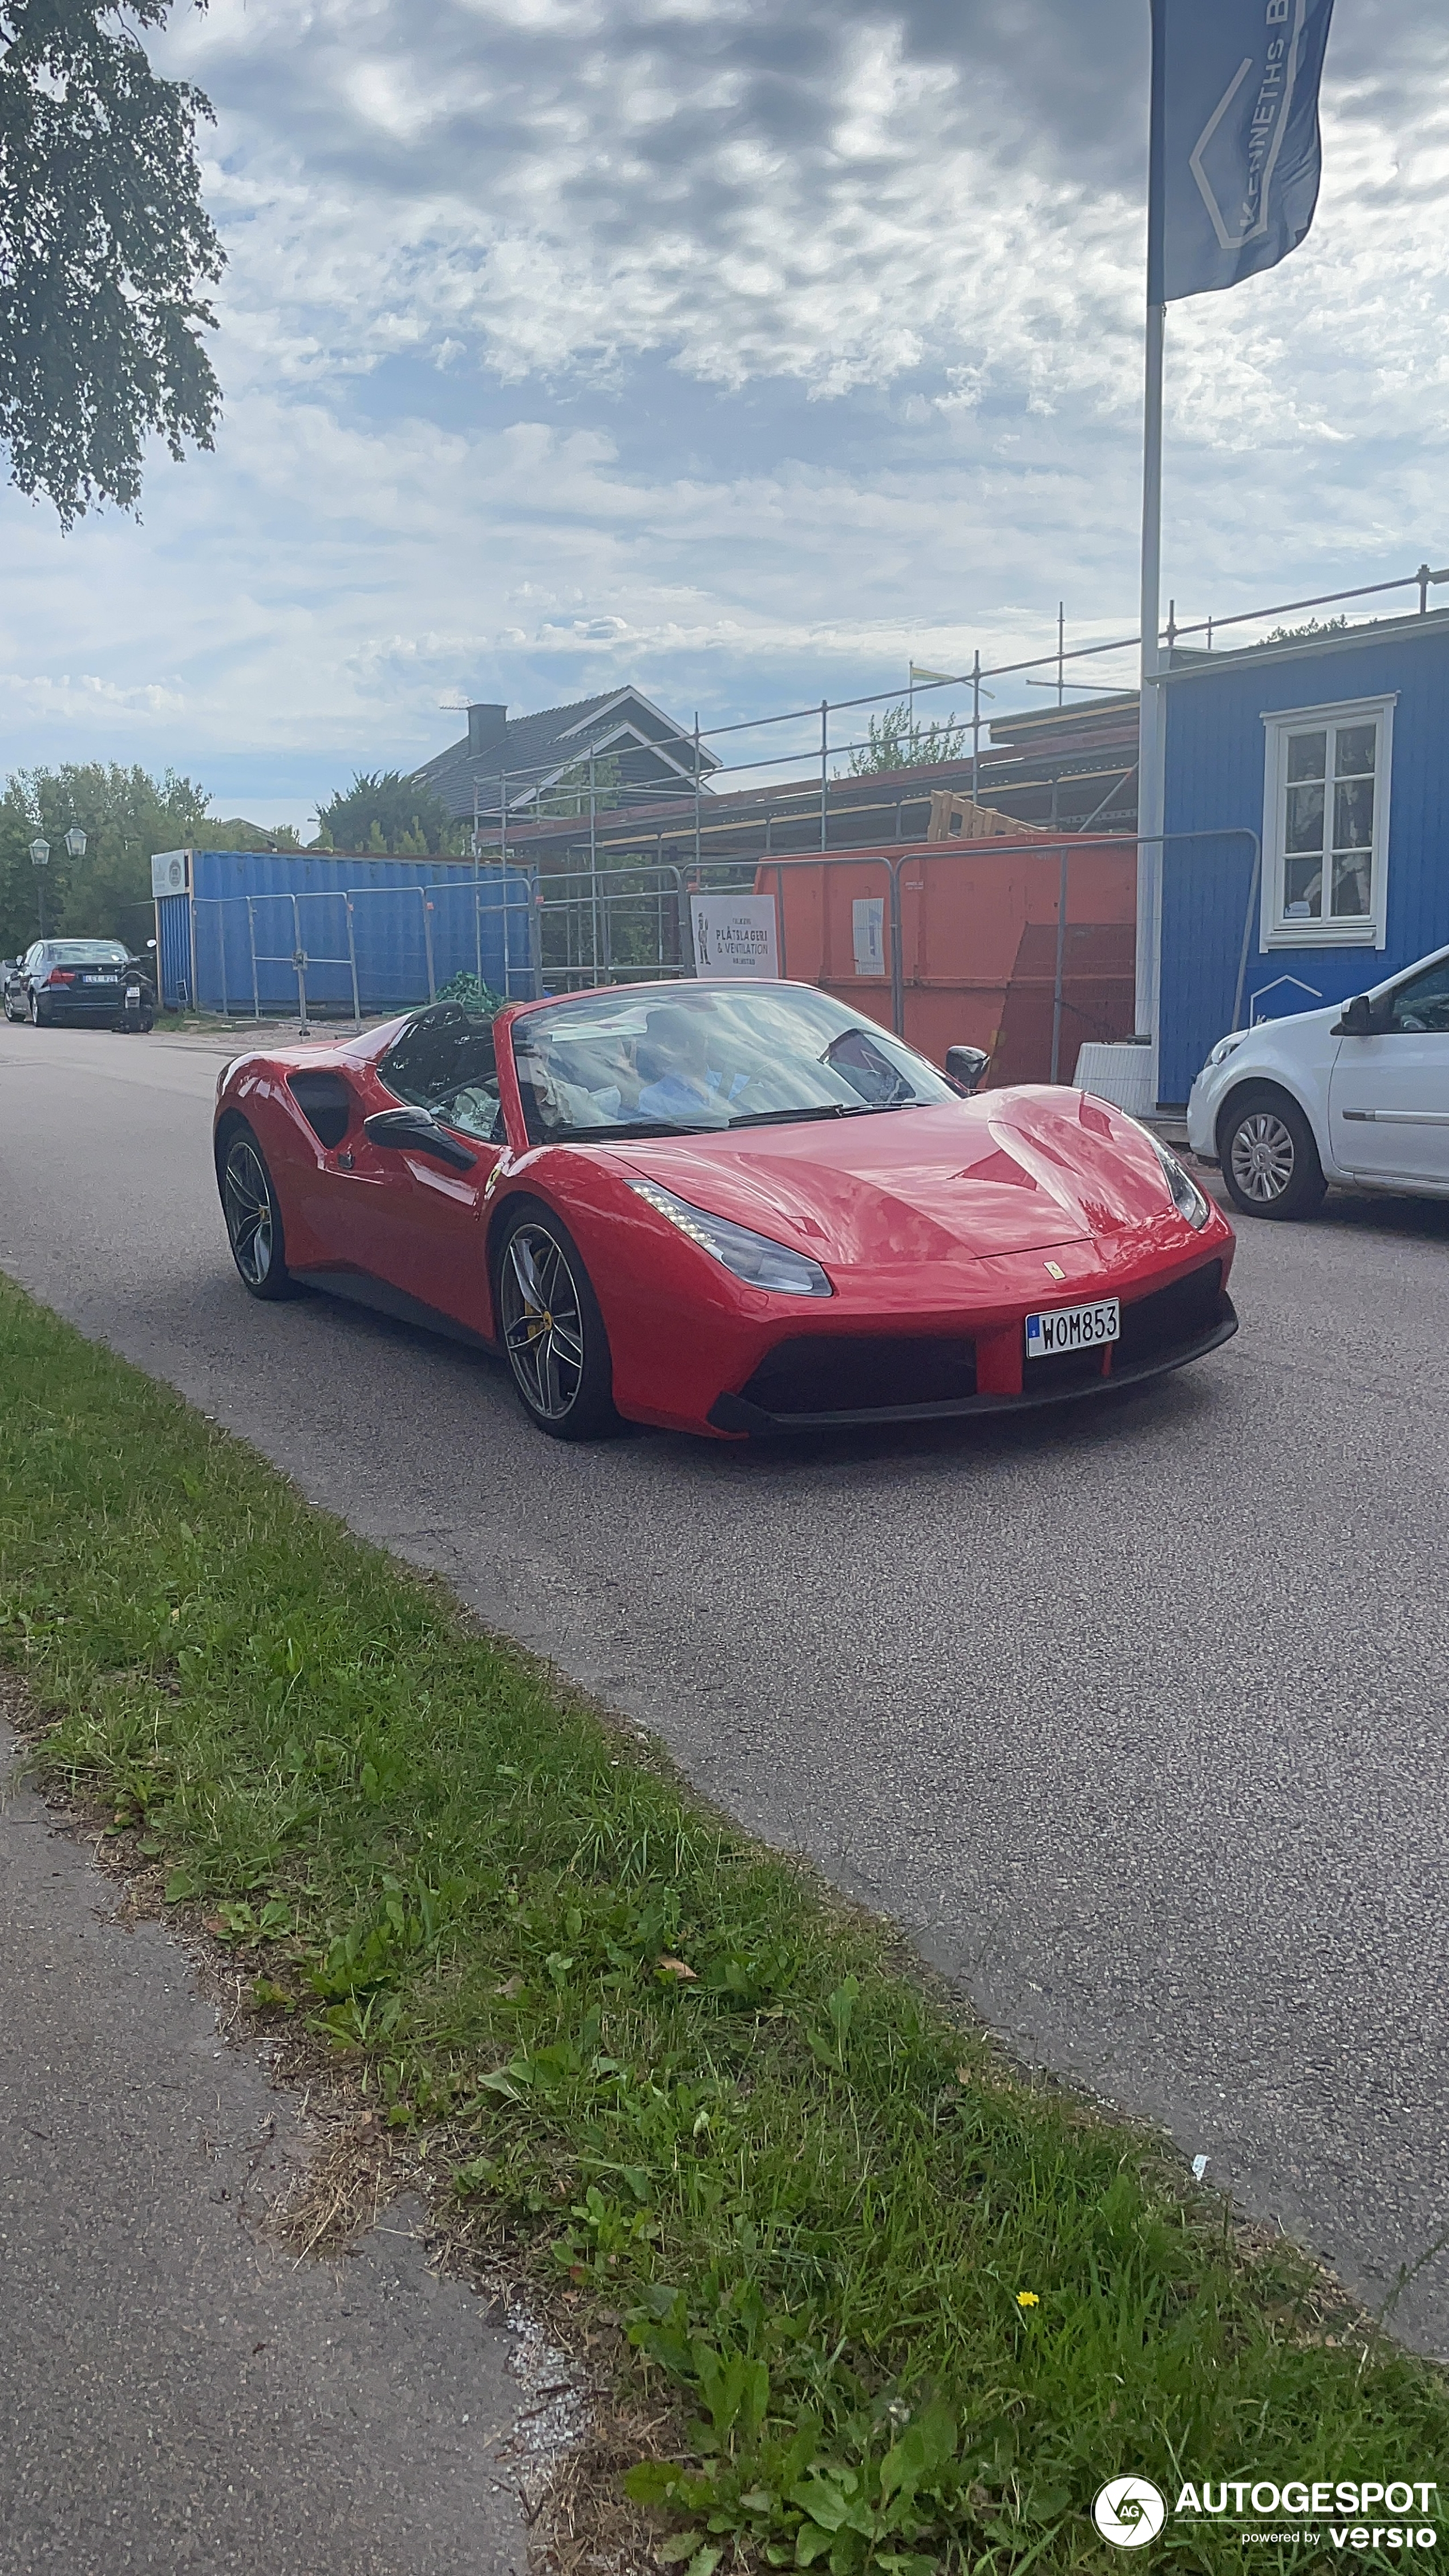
column 1307, row 784
column 293, row 931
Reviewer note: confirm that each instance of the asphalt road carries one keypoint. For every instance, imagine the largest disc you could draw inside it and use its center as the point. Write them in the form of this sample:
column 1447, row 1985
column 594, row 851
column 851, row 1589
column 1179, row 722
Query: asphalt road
column 1133, row 1717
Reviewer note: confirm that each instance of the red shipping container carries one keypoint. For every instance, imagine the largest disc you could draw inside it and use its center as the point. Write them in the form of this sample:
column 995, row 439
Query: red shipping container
column 978, row 942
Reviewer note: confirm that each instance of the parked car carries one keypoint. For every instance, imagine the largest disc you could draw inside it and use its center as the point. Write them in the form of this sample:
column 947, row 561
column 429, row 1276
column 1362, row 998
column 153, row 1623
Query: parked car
column 60, row 982
column 727, row 1208
column 1358, row 1093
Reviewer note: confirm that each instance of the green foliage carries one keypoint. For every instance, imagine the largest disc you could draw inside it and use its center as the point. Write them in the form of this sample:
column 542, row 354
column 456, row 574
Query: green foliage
column 237, row 834
column 911, row 2309
column 386, row 812
column 478, row 999
column 125, row 814
column 104, row 244
column 899, row 739
column 1305, row 633
column 643, row 923
column 569, row 793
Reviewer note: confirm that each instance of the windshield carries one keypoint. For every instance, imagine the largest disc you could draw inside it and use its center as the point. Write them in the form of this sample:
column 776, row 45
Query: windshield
column 704, row 1057
column 86, row 952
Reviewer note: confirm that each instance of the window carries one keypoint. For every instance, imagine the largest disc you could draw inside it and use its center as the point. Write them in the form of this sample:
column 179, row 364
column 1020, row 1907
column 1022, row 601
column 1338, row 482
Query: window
column 445, row 1061
column 1421, row 1006
column 86, row 952
column 708, row 1056
column 1325, row 826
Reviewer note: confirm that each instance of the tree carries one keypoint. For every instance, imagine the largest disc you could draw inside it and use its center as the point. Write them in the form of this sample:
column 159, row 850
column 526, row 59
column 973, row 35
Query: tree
column 1305, row 633
column 125, row 816
column 386, row 812
column 569, row 792
column 237, row 834
column 899, row 740
column 104, row 243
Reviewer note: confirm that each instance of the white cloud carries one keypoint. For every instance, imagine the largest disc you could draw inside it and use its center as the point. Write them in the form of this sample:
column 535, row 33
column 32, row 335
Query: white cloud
column 741, row 350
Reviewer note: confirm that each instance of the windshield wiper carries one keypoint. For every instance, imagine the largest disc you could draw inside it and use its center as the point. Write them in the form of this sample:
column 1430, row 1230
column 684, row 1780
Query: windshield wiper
column 776, row 1117
column 825, row 1109
column 619, row 1130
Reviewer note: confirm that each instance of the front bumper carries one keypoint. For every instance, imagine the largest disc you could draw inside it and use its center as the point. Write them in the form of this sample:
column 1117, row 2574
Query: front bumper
column 1165, row 1330
column 1203, row 1103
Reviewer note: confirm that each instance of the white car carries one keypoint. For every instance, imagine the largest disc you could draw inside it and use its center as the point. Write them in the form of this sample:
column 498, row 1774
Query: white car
column 1358, row 1093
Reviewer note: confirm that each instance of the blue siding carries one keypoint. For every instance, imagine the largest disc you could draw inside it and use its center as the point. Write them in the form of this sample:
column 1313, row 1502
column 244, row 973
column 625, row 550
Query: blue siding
column 406, row 924
column 1215, row 755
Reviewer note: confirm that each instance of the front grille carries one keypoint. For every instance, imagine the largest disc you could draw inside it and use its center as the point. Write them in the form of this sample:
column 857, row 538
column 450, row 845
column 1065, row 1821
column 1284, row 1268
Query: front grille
column 1063, row 1369
column 862, row 1373
column 1170, row 1318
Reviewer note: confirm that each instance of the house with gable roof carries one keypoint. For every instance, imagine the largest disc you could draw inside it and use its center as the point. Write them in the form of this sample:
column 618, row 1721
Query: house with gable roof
column 528, row 756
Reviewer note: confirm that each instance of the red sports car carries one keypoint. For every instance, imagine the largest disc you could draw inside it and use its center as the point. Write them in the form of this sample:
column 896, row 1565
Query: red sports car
column 729, row 1208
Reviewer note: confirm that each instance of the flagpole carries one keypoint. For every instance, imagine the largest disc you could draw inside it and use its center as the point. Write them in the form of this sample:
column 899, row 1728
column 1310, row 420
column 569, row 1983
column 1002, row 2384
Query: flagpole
column 1149, row 721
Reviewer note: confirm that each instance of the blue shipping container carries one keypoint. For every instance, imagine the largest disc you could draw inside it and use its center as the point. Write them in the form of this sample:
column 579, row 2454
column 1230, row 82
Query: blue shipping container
column 267, row 931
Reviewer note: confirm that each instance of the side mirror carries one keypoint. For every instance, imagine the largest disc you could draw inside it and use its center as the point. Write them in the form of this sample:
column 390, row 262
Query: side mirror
column 1357, row 1020
column 966, row 1066
column 416, row 1131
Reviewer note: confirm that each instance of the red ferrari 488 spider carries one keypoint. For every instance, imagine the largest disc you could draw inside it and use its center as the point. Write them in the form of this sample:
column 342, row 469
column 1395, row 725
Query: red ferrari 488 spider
column 728, row 1208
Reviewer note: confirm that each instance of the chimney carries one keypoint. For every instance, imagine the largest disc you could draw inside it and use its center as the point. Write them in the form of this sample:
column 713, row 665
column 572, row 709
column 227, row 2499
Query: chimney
column 487, row 727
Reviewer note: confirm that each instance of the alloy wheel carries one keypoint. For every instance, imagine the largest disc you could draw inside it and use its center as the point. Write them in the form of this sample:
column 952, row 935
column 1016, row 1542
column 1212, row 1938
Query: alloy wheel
column 247, row 1201
column 543, row 1324
column 1263, row 1157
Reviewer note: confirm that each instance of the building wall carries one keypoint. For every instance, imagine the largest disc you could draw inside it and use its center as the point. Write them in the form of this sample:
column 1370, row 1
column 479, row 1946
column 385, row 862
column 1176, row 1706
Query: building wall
column 1215, row 758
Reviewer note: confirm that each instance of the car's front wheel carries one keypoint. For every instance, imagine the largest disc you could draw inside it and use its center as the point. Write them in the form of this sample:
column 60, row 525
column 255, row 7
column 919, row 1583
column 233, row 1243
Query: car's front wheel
column 11, row 1013
column 1269, row 1159
column 253, row 1217
column 552, row 1331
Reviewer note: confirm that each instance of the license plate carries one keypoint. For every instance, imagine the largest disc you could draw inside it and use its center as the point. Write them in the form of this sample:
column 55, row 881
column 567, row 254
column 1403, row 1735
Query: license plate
column 1072, row 1328
column 133, row 994
column 99, row 979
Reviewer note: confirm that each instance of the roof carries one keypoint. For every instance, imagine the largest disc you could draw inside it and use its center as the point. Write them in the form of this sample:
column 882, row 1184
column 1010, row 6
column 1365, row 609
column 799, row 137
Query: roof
column 1192, row 662
column 649, row 746
column 1074, row 766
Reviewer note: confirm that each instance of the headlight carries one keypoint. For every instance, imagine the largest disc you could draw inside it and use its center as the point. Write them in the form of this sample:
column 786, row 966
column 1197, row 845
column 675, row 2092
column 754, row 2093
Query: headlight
column 1224, row 1048
column 1187, row 1198
column 753, row 1257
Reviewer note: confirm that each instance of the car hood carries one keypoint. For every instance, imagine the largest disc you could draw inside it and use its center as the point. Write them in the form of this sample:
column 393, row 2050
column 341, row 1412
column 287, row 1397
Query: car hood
column 1014, row 1171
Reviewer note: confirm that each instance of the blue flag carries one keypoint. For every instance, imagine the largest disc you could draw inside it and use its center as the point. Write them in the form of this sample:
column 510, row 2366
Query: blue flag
column 1235, row 148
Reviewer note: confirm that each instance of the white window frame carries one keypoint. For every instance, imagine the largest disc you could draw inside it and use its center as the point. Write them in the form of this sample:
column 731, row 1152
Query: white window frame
column 1370, row 931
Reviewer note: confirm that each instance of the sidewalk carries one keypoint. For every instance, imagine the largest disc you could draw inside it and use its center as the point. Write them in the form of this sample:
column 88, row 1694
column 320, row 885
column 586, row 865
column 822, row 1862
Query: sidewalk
column 177, row 2393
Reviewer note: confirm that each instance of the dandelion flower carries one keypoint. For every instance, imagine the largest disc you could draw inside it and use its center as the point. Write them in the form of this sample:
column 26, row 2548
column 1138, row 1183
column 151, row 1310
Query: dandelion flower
column 1027, row 2299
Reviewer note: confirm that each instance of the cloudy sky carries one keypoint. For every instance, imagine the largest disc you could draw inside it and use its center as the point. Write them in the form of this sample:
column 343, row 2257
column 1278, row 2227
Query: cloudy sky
column 743, row 348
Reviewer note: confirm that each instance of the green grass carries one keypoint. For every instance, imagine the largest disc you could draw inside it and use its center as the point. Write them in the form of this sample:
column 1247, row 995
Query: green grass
column 812, row 2199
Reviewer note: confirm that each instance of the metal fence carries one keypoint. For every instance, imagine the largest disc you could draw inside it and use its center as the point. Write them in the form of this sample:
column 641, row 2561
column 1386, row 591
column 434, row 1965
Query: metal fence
column 625, row 923
column 357, row 952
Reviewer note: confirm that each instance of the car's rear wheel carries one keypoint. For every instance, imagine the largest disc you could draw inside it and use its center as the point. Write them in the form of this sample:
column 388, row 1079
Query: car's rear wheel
column 1269, row 1159
column 253, row 1218
column 552, row 1331
column 39, row 1019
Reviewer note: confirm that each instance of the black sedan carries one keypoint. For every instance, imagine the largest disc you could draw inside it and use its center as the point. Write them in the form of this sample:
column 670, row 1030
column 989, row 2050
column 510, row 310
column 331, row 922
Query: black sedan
column 64, row 982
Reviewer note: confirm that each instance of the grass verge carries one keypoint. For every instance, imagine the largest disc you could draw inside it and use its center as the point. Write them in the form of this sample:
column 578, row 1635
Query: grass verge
column 913, row 2308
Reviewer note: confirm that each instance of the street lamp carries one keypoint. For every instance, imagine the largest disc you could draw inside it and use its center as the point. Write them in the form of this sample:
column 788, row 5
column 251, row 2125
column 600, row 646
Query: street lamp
column 40, row 858
column 75, row 841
